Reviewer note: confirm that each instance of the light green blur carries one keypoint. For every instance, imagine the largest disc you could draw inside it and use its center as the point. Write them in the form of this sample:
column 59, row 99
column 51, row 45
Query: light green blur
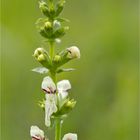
column 105, row 83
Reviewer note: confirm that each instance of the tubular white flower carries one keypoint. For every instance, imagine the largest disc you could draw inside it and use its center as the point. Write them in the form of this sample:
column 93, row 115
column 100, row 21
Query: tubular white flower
column 70, row 136
column 50, row 107
column 48, row 85
column 62, row 87
column 51, row 98
column 74, row 52
column 36, row 133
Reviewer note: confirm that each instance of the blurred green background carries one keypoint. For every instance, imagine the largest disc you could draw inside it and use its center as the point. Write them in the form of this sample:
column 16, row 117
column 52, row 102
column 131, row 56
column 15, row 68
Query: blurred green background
column 105, row 83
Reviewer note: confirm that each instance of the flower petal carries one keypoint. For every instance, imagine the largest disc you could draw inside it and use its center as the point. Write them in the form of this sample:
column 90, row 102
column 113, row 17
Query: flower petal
column 48, row 85
column 63, row 85
column 62, row 88
column 70, row 136
column 50, row 107
column 36, row 133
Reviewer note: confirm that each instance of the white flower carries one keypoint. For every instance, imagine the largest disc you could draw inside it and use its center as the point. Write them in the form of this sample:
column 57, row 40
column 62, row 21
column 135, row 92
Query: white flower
column 36, row 133
column 62, row 87
column 70, row 136
column 56, row 25
column 74, row 52
column 51, row 98
column 50, row 107
column 48, row 85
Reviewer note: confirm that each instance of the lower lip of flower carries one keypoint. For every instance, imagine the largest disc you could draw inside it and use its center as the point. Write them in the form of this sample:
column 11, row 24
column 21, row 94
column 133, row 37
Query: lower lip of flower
column 49, row 91
column 35, row 138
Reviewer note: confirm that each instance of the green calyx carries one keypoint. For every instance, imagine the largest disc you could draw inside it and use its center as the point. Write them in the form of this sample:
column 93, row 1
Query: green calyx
column 51, row 10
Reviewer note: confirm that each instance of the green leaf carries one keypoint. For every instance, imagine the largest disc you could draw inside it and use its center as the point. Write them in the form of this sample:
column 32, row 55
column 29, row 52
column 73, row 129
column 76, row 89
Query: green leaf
column 65, row 70
column 41, row 70
column 62, row 20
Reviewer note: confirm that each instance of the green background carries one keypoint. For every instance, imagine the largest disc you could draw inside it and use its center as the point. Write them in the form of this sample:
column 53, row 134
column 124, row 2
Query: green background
column 105, row 83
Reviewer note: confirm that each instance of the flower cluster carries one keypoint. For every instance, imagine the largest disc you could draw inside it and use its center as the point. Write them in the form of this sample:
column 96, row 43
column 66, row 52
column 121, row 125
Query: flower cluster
column 57, row 102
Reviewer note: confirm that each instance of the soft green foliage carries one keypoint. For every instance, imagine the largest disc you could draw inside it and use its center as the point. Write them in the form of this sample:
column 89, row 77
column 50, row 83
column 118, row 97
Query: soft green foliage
column 106, row 78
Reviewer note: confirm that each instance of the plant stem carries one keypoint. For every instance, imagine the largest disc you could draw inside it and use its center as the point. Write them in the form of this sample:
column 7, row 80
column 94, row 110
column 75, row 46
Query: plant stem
column 58, row 129
column 51, row 50
column 53, row 76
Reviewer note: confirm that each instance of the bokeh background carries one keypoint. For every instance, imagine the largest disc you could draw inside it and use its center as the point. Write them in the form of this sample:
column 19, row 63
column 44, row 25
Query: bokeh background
column 105, row 83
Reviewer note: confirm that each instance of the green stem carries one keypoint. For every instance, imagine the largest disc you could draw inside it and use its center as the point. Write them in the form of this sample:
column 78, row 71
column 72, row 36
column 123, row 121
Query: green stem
column 53, row 76
column 58, row 129
column 51, row 50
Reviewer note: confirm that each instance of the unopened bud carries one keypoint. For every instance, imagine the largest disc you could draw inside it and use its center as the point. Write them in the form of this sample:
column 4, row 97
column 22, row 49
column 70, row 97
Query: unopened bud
column 44, row 8
column 67, row 107
column 56, row 25
column 48, row 25
column 60, row 7
column 74, row 52
column 57, row 58
column 42, row 56
column 70, row 104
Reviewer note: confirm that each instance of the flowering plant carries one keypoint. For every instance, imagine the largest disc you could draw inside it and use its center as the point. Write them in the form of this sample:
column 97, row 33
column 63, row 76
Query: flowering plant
column 57, row 103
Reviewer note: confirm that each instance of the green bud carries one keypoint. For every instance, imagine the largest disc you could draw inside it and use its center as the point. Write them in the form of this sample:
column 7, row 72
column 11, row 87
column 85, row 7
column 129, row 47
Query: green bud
column 59, row 7
column 48, row 25
column 44, row 8
column 67, row 107
column 52, row 12
column 60, row 32
column 48, row 29
column 42, row 104
column 42, row 56
column 57, row 58
column 62, row 57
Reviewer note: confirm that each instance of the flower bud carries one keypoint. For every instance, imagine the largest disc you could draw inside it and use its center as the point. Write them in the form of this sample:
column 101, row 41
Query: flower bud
column 59, row 7
column 57, row 58
column 60, row 32
column 48, row 25
column 42, row 56
column 48, row 29
column 67, row 107
column 44, row 8
column 56, row 25
column 74, row 52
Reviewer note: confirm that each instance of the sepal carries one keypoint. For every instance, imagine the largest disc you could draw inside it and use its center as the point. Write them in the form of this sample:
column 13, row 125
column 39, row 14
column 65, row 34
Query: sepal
column 67, row 107
column 41, row 70
column 65, row 70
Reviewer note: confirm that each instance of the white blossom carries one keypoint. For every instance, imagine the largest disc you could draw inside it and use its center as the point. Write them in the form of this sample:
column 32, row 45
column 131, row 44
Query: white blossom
column 70, row 136
column 50, row 108
column 62, row 87
column 51, row 97
column 37, row 133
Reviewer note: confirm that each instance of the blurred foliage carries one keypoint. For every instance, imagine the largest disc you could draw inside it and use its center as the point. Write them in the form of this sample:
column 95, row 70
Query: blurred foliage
column 105, row 83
